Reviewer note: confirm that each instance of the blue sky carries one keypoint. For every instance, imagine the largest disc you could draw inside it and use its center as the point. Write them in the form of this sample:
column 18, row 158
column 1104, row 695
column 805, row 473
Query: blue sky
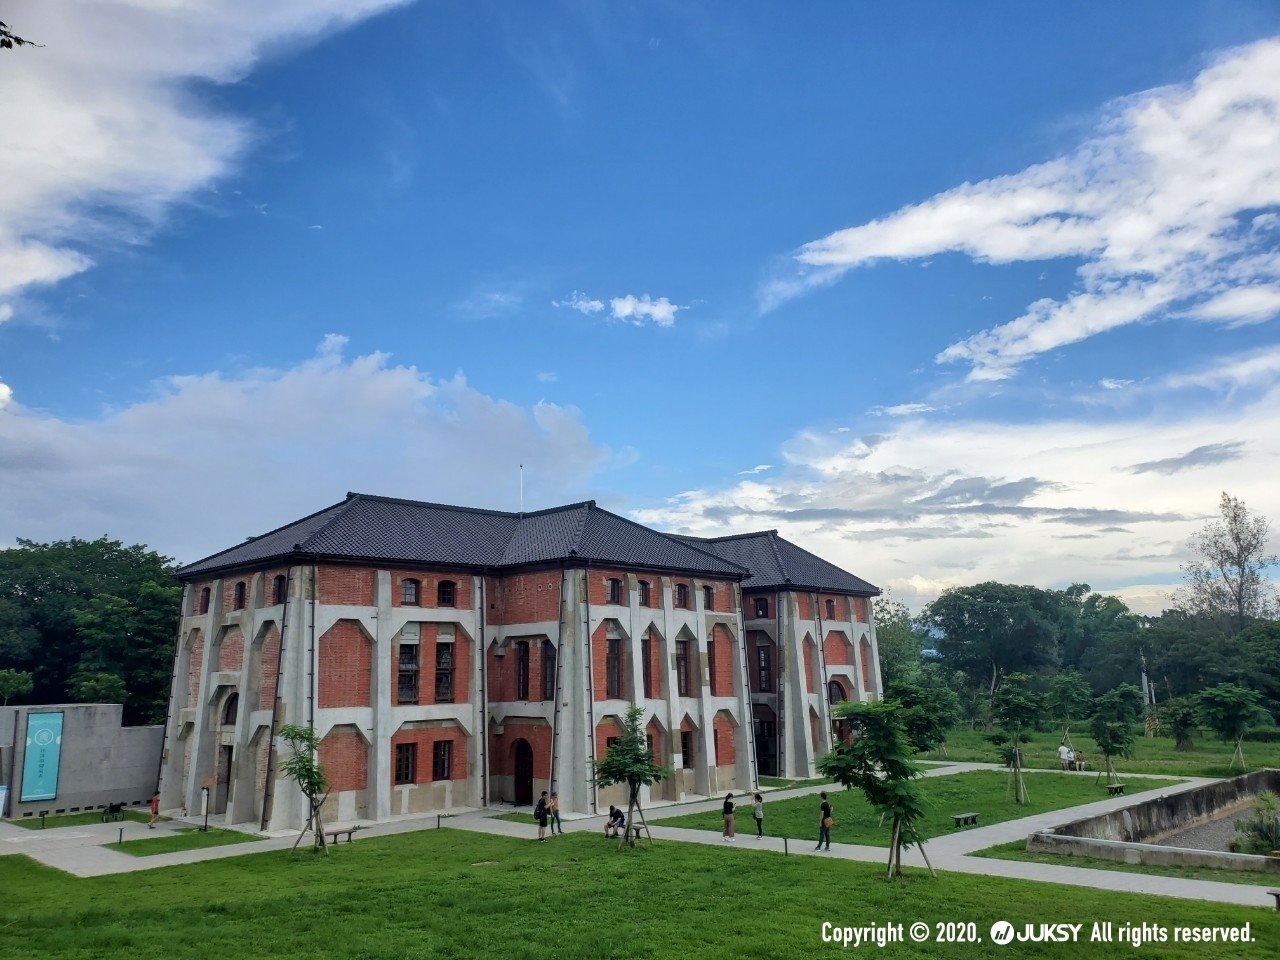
column 947, row 293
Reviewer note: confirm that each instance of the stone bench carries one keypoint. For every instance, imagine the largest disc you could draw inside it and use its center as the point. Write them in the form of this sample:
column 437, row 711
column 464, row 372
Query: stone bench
column 1276, row 894
column 1115, row 789
column 964, row 820
column 340, row 831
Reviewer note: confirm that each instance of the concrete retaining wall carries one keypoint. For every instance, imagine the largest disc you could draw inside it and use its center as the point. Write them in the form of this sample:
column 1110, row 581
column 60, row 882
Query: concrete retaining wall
column 1147, row 853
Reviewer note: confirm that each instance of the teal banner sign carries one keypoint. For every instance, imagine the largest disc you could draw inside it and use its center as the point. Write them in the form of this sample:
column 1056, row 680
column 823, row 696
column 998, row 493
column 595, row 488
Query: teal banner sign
column 40, row 762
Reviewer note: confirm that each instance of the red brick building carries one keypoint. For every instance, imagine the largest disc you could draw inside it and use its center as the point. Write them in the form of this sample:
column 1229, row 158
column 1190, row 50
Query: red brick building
column 452, row 657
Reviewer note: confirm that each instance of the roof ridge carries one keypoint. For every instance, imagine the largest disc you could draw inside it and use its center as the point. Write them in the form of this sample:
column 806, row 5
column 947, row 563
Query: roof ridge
column 772, row 536
column 431, row 503
column 671, row 536
column 576, row 541
column 282, row 527
column 733, row 536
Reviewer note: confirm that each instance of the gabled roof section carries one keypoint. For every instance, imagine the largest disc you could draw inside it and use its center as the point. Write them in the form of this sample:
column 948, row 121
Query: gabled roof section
column 365, row 527
column 776, row 563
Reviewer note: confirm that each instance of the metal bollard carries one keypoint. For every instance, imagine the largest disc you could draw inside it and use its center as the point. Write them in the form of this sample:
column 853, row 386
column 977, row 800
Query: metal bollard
column 121, row 840
column 785, row 851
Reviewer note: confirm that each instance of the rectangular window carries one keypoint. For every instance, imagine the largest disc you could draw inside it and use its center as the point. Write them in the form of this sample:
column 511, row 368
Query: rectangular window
column 442, row 760
column 613, row 669
column 686, row 749
column 765, row 666
column 615, row 591
column 648, row 739
column 406, row 763
column 644, row 593
column 548, row 670
column 609, row 742
column 646, row 652
column 709, row 598
column 522, row 670
column 407, row 685
column 682, row 595
column 762, row 608
column 711, row 666
column 444, row 673
column 682, row 667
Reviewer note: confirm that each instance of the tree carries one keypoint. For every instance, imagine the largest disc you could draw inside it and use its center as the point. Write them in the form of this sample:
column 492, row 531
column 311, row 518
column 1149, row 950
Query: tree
column 14, row 683
column 1227, row 577
column 98, row 688
column 1014, row 709
column 878, row 762
column 1228, row 709
column 303, row 768
column 629, row 761
column 1069, row 695
column 1179, row 714
column 992, row 629
column 9, row 39
column 1115, row 713
column 929, row 708
column 898, row 639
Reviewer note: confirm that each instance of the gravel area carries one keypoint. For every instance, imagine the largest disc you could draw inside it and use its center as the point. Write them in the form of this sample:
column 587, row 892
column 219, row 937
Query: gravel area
column 1214, row 835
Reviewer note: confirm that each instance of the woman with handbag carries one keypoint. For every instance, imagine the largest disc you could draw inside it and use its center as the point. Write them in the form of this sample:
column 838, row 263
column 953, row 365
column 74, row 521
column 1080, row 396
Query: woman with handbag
column 825, row 822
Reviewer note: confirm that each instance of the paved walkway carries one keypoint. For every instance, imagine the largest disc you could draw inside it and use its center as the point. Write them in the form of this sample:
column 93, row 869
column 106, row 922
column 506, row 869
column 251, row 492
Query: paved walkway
column 86, row 851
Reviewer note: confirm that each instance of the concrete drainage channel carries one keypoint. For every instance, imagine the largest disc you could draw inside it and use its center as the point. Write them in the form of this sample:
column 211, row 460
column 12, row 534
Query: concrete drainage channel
column 1134, row 834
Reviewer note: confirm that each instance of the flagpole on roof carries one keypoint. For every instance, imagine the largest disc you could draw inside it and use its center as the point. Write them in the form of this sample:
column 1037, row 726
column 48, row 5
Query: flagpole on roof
column 522, row 488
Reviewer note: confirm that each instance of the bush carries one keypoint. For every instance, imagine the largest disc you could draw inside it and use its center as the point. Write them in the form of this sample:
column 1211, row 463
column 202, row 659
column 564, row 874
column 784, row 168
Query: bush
column 1260, row 835
column 1263, row 735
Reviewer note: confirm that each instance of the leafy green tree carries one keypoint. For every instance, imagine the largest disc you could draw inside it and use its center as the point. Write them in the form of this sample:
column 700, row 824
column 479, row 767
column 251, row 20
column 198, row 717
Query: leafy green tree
column 929, row 708
column 1069, row 695
column 303, row 767
column 1015, row 710
column 1115, row 713
column 878, row 762
column 1180, row 716
column 98, row 687
column 629, row 761
column 1100, row 636
column 1227, row 578
column 1258, row 653
column 14, row 683
column 1228, row 709
column 992, row 629
column 898, row 639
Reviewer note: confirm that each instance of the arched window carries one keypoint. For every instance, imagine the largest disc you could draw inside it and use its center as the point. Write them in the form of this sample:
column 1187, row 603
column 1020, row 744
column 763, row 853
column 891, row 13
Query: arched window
column 280, row 589
column 446, row 593
column 613, row 662
column 831, row 609
column 682, row 667
column 239, row 596
column 682, row 595
column 522, row 670
column 762, row 608
column 410, row 592
column 204, row 601
column 615, row 591
column 709, row 598
column 548, row 670
column 230, row 709
column 835, row 692
column 644, row 592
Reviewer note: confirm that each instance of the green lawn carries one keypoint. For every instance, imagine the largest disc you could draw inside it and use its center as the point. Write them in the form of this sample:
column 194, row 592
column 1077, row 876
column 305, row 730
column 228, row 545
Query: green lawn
column 449, row 894
column 184, row 838
column 1018, row 851
column 76, row 819
column 780, row 783
column 1210, row 758
column 984, row 792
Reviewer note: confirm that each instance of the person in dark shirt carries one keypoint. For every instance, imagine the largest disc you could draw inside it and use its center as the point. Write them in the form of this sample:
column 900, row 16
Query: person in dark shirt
column 617, row 821
column 540, row 814
column 728, row 817
column 824, row 823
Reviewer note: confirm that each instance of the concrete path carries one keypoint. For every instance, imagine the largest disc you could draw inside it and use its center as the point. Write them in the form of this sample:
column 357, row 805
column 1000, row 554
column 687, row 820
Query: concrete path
column 86, row 851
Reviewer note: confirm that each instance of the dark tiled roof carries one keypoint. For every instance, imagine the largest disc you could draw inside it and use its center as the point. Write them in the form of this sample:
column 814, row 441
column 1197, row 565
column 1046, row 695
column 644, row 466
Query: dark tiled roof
column 364, row 527
column 778, row 563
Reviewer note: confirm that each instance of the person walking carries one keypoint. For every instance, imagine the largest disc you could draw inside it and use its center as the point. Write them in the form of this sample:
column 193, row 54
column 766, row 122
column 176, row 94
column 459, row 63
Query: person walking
column 728, row 818
column 540, row 814
column 825, row 822
column 757, row 811
column 155, row 811
column 553, row 808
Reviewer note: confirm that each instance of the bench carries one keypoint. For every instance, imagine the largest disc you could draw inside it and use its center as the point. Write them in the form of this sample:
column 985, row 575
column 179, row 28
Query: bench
column 349, row 831
column 964, row 819
column 1276, row 894
column 1115, row 789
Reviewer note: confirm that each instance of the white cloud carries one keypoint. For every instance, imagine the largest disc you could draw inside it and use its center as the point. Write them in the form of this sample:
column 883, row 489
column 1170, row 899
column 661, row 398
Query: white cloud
column 547, row 376
column 1167, row 206
column 259, row 448
column 758, row 468
column 580, row 302
column 904, row 409
column 6, row 395
column 629, row 309
column 936, row 503
column 6, row 312
column 107, row 133
column 1256, row 368
column 1109, row 383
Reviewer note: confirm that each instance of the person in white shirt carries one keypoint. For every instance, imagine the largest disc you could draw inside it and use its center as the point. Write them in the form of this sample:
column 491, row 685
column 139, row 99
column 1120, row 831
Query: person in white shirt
column 1066, row 756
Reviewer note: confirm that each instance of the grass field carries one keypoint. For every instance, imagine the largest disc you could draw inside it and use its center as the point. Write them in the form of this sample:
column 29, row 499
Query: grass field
column 184, row 838
column 1018, row 851
column 1210, row 758
column 76, row 819
column 984, row 792
column 448, row 894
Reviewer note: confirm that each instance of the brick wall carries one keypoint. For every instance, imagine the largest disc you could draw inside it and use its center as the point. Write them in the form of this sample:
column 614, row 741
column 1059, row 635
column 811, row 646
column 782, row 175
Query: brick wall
column 721, row 595
column 599, row 666
column 429, row 588
column 722, row 734
column 524, row 598
column 860, row 607
column 598, row 585
column 193, row 676
column 349, row 585
column 835, row 650
column 661, row 748
column 230, row 654
column 604, row 730
column 657, row 664
column 501, row 756
column 270, row 661
column 804, row 606
column 722, row 683
column 426, row 740
column 345, row 758
column 864, row 655
column 810, row 653
column 346, row 666
column 749, row 605
column 502, row 670
column 755, row 640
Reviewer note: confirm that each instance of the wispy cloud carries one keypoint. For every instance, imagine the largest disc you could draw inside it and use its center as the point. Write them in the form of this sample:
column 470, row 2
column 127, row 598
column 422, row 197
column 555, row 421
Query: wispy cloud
column 486, row 304
column 627, row 309
column 108, row 129
column 903, row 409
column 1109, row 383
column 1202, row 456
column 1169, row 205
column 758, row 468
column 547, row 376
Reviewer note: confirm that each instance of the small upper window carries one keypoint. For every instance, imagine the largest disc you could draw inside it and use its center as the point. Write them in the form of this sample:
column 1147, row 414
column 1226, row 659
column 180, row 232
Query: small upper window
column 831, row 609
column 644, row 593
column 615, row 591
column 204, row 600
column 682, row 595
column 446, row 594
column 239, row 596
column 410, row 592
column 709, row 597
column 280, row 588
column 762, row 607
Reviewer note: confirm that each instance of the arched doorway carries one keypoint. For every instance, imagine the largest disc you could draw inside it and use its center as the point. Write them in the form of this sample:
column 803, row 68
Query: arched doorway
column 765, row 722
column 224, row 783
column 522, row 763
